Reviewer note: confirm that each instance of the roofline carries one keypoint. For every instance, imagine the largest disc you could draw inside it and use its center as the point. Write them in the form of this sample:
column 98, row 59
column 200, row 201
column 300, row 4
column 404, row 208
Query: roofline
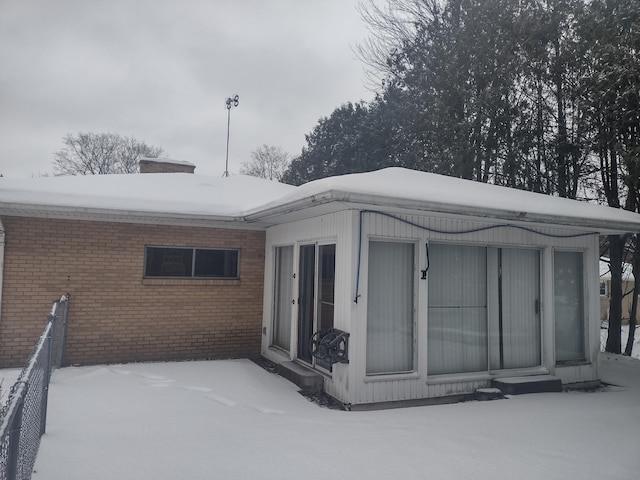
column 262, row 217
column 126, row 216
column 603, row 227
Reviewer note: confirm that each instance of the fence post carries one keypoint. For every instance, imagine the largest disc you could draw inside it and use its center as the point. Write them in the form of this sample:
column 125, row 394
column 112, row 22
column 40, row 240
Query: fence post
column 14, row 439
column 65, row 320
column 23, row 420
column 47, row 375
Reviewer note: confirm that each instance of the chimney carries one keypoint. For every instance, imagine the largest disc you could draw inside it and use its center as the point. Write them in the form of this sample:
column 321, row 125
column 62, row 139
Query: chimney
column 165, row 165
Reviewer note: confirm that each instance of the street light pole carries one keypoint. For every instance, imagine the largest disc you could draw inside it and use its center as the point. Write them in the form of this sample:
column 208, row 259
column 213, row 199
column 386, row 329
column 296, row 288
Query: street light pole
column 230, row 102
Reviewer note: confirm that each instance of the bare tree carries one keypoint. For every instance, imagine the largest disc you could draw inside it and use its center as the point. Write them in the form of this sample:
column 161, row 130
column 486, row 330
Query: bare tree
column 100, row 154
column 266, row 162
column 394, row 26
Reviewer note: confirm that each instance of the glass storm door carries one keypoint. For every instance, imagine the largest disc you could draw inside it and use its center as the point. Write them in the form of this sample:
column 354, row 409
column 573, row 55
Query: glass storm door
column 306, row 300
column 316, row 287
column 516, row 338
column 282, row 296
column 326, row 290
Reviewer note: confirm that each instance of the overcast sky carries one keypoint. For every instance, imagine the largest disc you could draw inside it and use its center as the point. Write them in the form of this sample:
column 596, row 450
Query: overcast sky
column 161, row 70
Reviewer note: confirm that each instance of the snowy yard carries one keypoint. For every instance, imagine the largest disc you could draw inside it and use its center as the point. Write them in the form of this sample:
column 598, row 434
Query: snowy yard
column 234, row 420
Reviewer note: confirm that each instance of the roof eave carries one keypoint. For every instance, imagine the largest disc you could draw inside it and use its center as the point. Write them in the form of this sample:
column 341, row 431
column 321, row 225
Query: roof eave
column 351, row 200
column 126, row 216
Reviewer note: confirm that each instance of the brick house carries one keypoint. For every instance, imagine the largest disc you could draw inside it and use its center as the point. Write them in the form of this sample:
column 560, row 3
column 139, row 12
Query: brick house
column 90, row 236
column 390, row 286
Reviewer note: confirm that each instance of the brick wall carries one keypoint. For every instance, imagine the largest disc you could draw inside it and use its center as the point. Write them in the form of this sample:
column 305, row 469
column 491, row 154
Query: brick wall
column 158, row 166
column 115, row 315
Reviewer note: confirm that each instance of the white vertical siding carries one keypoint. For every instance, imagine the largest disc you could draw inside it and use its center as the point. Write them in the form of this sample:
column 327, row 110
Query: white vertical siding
column 338, row 228
column 367, row 389
column 350, row 383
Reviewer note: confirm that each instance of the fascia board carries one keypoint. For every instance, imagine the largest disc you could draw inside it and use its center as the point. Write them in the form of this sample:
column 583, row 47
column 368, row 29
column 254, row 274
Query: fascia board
column 126, row 216
column 603, row 227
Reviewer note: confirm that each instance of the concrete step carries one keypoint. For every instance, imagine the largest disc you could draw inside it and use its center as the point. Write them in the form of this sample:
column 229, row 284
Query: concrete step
column 484, row 394
column 533, row 384
column 304, row 377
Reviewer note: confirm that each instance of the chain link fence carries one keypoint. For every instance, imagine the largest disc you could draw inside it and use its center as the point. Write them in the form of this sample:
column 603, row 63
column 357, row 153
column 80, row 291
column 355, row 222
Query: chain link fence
column 24, row 415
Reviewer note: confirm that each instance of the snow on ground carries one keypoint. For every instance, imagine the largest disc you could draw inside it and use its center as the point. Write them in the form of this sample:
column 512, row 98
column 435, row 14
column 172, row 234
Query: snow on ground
column 8, row 377
column 624, row 334
column 231, row 419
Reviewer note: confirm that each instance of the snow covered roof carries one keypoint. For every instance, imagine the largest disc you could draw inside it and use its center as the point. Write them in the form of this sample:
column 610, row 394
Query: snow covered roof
column 149, row 198
column 254, row 203
column 409, row 190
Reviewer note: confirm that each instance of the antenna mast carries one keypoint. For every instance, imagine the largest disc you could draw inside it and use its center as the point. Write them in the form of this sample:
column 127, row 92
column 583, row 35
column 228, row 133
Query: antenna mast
column 230, row 102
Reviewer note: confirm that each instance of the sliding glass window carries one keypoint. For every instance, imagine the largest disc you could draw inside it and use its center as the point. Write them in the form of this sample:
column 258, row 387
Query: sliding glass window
column 457, row 330
column 390, row 308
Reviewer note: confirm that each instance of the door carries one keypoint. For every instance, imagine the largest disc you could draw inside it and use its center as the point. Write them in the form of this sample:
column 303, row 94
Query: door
column 326, row 290
column 282, row 296
column 306, row 300
column 316, row 286
column 516, row 337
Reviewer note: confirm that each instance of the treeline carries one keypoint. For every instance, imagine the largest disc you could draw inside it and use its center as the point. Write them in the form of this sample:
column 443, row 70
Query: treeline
column 541, row 95
column 538, row 95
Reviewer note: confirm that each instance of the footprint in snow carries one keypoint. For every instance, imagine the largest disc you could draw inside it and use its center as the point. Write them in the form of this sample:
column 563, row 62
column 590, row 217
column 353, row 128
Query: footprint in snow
column 157, row 381
column 160, row 384
column 120, row 371
column 222, row 400
column 158, row 378
column 271, row 411
column 195, row 388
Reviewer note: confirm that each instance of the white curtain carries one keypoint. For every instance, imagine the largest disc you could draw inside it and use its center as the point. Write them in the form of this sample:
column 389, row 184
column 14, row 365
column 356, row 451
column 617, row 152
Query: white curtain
column 457, row 308
column 568, row 306
column 390, row 307
column 282, row 297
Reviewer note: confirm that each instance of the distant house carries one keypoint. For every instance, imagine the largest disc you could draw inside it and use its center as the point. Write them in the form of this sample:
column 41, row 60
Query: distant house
column 393, row 285
column 628, row 281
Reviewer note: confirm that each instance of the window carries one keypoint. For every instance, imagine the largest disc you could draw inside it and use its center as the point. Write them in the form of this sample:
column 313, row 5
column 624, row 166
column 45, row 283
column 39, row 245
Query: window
column 390, row 307
column 568, row 306
column 457, row 330
column 603, row 289
column 483, row 309
column 191, row 262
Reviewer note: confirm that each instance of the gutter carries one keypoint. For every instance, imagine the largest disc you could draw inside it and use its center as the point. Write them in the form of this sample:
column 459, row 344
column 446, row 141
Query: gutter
column 365, row 201
column 265, row 213
column 122, row 216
